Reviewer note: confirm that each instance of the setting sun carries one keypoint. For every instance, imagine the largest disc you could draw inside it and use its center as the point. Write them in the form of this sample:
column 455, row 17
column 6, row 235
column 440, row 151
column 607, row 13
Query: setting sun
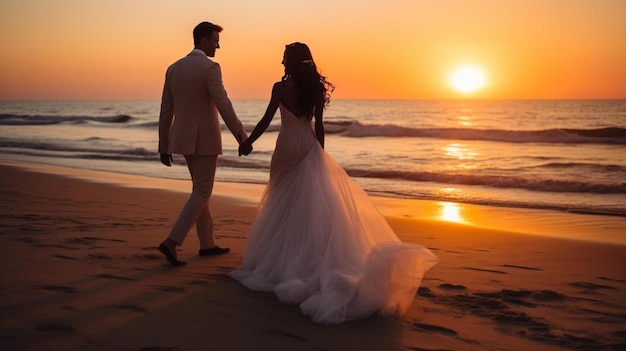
column 467, row 79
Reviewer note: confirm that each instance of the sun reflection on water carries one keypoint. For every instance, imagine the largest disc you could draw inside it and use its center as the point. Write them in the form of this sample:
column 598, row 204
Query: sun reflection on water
column 465, row 121
column 460, row 151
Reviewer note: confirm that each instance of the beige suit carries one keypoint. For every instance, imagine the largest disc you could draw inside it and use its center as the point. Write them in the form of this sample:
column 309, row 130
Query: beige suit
column 192, row 96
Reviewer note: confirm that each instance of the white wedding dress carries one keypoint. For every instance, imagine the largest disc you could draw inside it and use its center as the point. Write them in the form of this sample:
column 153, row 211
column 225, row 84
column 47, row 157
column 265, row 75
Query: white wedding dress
column 319, row 242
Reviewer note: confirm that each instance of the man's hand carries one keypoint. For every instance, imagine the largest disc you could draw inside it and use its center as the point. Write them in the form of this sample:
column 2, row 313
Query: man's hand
column 166, row 160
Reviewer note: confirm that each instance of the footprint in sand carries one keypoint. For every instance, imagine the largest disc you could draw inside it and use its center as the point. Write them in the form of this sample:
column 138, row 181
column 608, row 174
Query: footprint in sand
column 510, row 296
column 592, row 286
column 64, row 257
column 285, row 334
column 199, row 282
column 425, row 292
column 99, row 256
column 103, row 239
column 169, row 289
column 59, row 288
column 55, row 327
column 150, row 256
column 522, row 267
column 111, row 276
column 485, row 270
column 225, row 269
column 131, row 307
column 447, row 286
column 219, row 276
column 519, row 318
column 612, row 280
column 79, row 241
column 434, row 329
column 518, row 297
column 28, row 240
column 548, row 295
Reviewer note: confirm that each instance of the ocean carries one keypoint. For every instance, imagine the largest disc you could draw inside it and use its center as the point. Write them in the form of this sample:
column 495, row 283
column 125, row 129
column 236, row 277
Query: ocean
column 567, row 155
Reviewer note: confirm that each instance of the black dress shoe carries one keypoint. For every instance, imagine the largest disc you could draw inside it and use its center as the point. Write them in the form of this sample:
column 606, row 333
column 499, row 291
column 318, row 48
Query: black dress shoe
column 213, row 251
column 170, row 256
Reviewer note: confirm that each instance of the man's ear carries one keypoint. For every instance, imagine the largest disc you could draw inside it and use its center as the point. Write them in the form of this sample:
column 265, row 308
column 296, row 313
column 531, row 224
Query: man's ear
column 202, row 43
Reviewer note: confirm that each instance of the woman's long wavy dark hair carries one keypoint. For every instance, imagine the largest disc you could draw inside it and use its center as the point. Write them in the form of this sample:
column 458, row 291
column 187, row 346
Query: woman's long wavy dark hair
column 311, row 86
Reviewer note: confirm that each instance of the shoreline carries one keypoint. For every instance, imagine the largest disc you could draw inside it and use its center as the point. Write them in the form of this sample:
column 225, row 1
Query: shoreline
column 81, row 271
column 530, row 221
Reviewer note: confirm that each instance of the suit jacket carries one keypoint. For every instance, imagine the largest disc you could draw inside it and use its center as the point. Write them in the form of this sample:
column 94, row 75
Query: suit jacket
column 193, row 94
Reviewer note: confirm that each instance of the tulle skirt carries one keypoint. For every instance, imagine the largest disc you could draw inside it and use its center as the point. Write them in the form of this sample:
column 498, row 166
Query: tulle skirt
column 319, row 242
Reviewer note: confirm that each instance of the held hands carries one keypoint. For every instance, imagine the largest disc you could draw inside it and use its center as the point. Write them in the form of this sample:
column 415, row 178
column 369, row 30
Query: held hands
column 245, row 148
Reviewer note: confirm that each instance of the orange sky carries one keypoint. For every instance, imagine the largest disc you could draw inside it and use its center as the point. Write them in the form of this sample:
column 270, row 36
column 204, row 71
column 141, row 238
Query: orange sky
column 370, row 49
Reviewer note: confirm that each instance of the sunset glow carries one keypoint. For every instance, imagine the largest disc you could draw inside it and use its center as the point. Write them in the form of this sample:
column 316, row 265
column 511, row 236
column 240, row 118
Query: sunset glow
column 467, row 79
column 370, row 50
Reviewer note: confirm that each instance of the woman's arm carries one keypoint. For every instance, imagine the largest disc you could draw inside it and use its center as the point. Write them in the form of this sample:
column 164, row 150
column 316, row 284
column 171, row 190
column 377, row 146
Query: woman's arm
column 265, row 121
column 319, row 124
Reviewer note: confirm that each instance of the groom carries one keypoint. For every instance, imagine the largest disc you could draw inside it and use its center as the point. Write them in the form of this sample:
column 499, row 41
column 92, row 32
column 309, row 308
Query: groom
column 193, row 95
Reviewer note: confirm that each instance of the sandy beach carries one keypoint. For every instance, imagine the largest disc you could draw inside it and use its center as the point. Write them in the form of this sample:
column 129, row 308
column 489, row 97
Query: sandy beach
column 80, row 271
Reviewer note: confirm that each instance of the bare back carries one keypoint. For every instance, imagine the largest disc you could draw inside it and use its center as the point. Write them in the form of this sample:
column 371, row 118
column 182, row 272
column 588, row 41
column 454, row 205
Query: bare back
column 289, row 98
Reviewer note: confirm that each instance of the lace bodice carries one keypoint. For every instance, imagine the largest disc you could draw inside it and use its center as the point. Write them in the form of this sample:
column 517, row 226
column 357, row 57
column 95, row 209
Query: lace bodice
column 295, row 139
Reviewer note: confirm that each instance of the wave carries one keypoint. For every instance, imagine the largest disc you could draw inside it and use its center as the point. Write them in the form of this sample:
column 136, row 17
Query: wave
column 153, row 125
column 496, row 181
column 590, row 167
column 26, row 120
column 355, row 129
column 79, row 152
column 609, row 135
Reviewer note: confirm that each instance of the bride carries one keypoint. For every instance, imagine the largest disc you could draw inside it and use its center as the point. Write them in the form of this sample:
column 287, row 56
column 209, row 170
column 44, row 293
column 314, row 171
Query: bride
column 318, row 241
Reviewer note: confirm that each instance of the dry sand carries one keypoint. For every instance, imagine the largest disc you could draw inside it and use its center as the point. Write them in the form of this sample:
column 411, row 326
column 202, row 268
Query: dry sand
column 80, row 271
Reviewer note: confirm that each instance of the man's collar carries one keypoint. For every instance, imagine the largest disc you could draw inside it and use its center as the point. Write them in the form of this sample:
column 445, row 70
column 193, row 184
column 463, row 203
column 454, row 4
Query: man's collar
column 198, row 51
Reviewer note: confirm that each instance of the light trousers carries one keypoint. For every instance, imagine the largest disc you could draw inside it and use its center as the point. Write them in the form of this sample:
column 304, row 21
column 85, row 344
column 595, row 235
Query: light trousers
column 196, row 210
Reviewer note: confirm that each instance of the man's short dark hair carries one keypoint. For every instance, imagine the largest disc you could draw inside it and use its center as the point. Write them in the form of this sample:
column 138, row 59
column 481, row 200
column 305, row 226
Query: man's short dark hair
column 204, row 30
